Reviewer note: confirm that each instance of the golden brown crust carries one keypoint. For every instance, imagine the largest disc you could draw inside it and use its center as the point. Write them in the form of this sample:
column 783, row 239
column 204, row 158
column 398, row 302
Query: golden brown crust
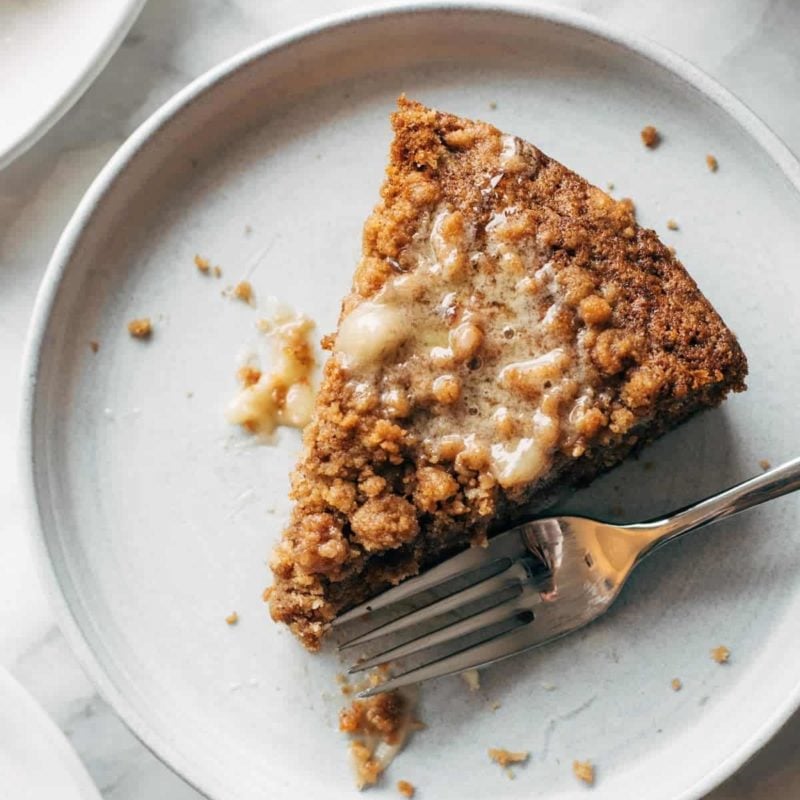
column 370, row 508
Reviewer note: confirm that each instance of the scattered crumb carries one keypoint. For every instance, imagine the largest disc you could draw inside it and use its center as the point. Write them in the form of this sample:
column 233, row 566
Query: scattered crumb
column 379, row 727
column 140, row 328
column 243, row 291
column 610, row 186
column 505, row 758
column 472, row 678
column 672, row 224
column 494, row 706
column 202, row 264
column 676, row 684
column 232, row 618
column 248, row 229
column 764, row 464
column 217, row 272
column 190, row 395
column 248, row 375
column 94, row 346
column 712, row 163
column 721, row 654
column 344, row 684
column 584, row 771
column 493, row 105
column 405, row 788
column 650, row 136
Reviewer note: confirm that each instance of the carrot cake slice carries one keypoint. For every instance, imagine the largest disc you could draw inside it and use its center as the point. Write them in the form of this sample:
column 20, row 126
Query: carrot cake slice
column 510, row 330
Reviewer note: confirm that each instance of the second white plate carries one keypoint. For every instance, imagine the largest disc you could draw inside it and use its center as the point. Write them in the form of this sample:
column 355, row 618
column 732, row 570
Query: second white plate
column 154, row 519
column 50, row 54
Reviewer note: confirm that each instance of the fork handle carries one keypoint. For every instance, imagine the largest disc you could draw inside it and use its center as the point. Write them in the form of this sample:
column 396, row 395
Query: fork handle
column 773, row 483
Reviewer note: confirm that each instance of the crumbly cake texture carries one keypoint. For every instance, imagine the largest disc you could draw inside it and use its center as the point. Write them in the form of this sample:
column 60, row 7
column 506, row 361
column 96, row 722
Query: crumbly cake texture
column 510, row 330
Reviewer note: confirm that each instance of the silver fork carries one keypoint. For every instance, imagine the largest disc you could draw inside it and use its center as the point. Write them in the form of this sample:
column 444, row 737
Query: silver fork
column 533, row 583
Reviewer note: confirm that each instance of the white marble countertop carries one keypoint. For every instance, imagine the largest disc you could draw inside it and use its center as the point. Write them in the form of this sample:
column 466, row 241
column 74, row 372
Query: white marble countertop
column 750, row 46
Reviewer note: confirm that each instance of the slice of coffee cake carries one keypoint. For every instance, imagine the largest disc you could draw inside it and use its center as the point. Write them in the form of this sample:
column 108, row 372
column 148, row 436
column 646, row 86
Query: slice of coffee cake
column 510, row 330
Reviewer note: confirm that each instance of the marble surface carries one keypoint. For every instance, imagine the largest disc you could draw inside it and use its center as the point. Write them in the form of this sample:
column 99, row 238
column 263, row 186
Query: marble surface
column 750, row 46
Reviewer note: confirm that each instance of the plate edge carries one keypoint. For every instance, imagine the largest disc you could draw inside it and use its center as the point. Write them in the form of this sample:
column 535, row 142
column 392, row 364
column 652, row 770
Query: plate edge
column 660, row 55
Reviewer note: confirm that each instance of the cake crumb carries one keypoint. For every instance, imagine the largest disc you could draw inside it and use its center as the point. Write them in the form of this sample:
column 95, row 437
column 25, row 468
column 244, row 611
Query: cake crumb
column 406, row 789
column 676, row 684
column 472, row 678
column 202, row 264
column 493, row 105
column 94, row 345
column 672, row 224
column 248, row 375
column 217, row 272
column 505, row 758
column 712, row 163
column 610, row 186
column 584, row 771
column 764, row 464
column 650, row 136
column 243, row 291
column 140, row 328
column 721, row 654
column 379, row 727
column 494, row 706
column 232, row 618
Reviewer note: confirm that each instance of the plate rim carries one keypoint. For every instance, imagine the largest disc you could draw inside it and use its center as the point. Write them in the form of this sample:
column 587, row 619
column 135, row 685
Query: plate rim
column 80, row 83
column 190, row 771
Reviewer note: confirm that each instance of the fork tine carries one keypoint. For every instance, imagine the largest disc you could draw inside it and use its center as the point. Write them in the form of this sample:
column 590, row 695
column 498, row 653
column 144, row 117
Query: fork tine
column 483, row 620
column 503, row 645
column 455, row 574
column 446, row 610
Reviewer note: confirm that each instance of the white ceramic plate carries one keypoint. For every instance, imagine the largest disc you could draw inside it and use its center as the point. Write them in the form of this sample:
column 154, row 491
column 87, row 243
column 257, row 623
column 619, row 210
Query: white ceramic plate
column 153, row 519
column 36, row 761
column 50, row 52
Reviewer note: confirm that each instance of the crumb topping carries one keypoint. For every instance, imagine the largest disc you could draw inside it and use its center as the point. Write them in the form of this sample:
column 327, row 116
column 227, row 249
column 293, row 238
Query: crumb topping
column 650, row 137
column 243, row 291
column 140, row 328
column 583, row 771
column 507, row 758
column 406, row 789
column 721, row 654
column 509, row 327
